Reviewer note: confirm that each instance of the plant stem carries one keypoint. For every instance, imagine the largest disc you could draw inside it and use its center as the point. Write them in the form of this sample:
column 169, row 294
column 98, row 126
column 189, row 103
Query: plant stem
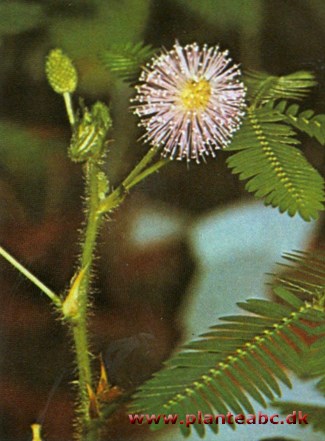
column 95, row 210
column 147, row 172
column 140, row 166
column 55, row 299
column 80, row 334
column 139, row 173
column 69, row 108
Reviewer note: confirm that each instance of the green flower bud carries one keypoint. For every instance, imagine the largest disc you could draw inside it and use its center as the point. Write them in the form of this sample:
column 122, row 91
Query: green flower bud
column 61, row 73
column 88, row 139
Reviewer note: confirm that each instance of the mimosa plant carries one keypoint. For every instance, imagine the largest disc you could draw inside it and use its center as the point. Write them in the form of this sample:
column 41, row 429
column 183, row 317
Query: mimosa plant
column 193, row 102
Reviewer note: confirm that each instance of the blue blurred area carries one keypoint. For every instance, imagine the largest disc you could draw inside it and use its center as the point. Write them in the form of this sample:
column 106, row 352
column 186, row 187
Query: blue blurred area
column 233, row 250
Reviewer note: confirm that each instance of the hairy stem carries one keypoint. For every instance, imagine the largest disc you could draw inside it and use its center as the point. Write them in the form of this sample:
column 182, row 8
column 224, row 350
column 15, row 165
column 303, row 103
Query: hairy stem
column 95, row 210
column 80, row 334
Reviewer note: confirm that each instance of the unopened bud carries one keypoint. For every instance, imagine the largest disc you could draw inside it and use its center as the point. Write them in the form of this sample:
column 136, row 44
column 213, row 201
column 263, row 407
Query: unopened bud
column 88, row 139
column 61, row 73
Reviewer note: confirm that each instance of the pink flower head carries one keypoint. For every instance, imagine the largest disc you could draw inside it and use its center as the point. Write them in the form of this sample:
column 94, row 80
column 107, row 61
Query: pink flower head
column 190, row 101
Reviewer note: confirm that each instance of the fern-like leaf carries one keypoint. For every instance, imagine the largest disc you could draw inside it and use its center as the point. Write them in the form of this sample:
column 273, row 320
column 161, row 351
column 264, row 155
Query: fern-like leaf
column 305, row 121
column 314, row 362
column 277, row 171
column 125, row 60
column 263, row 87
column 309, row 281
column 243, row 358
column 309, row 278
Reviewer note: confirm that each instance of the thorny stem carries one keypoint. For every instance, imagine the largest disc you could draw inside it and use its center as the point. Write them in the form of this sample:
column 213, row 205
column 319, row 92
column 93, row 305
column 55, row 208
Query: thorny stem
column 55, row 299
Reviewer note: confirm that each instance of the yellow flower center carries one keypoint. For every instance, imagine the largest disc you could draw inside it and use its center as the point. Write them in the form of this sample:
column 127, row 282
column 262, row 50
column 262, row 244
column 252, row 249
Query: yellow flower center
column 196, row 94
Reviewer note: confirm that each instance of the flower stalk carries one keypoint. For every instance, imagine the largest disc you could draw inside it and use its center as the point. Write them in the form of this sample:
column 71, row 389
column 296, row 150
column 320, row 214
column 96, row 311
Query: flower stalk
column 138, row 174
column 50, row 294
column 69, row 108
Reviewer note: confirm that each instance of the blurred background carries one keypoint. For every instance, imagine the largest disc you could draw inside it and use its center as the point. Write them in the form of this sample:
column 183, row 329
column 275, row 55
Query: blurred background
column 149, row 257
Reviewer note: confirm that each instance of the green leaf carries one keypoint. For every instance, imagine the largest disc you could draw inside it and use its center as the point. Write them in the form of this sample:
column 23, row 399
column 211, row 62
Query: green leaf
column 263, row 87
column 262, row 308
column 231, row 366
column 125, row 60
column 274, row 367
column 309, row 277
column 306, row 121
column 308, row 282
column 242, row 376
column 288, row 297
column 275, row 169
